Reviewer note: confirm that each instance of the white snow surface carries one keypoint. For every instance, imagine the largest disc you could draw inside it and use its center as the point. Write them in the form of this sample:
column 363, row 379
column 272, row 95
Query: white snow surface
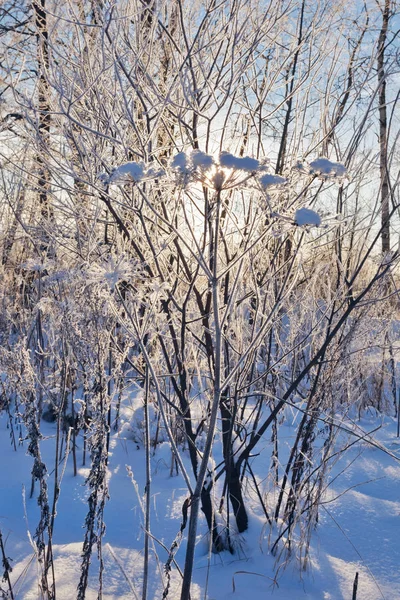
column 357, row 531
column 307, row 216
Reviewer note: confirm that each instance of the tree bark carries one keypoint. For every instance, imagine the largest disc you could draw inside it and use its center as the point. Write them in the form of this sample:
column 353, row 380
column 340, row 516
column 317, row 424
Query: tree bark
column 383, row 132
column 43, row 173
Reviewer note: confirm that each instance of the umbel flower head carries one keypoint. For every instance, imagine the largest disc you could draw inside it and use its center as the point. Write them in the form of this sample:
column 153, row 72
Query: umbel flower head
column 226, row 172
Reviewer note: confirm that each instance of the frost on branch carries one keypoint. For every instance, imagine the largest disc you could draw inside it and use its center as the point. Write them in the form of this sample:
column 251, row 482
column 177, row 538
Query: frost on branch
column 326, row 168
column 306, row 216
column 111, row 271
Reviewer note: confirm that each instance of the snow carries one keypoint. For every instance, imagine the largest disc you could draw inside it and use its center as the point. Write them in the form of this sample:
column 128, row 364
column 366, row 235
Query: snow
column 185, row 164
column 200, row 166
column 202, row 160
column 180, row 163
column 130, row 171
column 307, row 216
column 269, row 180
column 103, row 178
column 154, row 172
column 245, row 163
column 325, row 167
column 357, row 529
column 197, row 165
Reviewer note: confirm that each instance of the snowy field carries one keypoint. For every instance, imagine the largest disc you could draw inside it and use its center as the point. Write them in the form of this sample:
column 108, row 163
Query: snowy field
column 358, row 529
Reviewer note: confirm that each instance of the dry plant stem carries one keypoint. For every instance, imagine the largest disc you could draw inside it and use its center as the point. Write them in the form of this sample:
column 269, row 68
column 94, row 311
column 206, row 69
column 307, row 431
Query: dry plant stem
column 355, row 587
column 143, row 511
column 196, row 496
column 147, row 488
column 73, row 430
column 56, row 491
column 7, row 568
column 109, row 391
column 118, row 562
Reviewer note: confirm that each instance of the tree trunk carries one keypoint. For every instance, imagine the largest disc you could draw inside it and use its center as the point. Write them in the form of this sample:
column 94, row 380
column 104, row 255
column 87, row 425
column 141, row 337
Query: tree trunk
column 43, row 173
column 383, row 132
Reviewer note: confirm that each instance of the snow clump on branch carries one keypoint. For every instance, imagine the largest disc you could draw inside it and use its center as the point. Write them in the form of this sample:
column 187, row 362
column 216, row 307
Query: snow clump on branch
column 306, row 216
column 223, row 172
column 181, row 164
column 323, row 167
column 130, row 172
column 202, row 161
column 268, row 180
column 194, row 165
column 241, row 163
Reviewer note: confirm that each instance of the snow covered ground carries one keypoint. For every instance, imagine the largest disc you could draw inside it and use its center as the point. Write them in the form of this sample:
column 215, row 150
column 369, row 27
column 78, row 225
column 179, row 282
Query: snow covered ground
column 358, row 530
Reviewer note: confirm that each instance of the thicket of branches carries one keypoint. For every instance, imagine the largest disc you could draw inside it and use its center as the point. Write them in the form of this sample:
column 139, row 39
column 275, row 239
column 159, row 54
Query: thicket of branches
column 166, row 225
